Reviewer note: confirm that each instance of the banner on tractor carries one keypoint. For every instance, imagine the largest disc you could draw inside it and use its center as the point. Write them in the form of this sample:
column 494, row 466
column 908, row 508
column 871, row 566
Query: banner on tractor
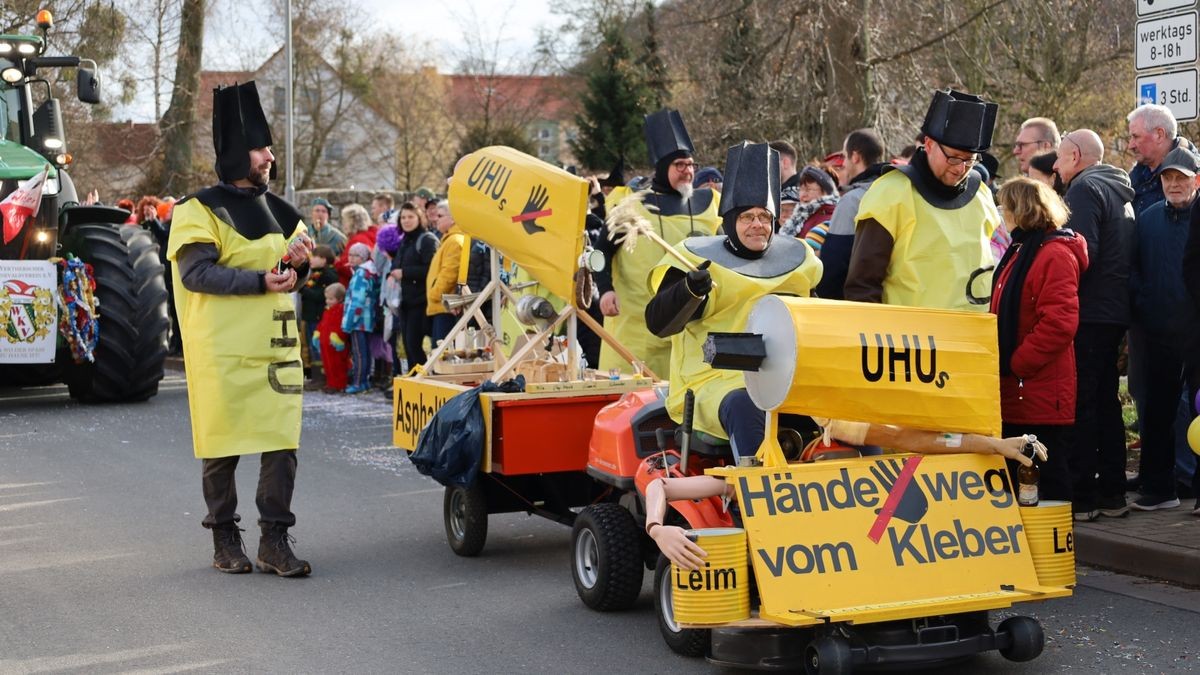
column 28, row 311
column 22, row 204
column 528, row 210
column 914, row 367
column 842, row 538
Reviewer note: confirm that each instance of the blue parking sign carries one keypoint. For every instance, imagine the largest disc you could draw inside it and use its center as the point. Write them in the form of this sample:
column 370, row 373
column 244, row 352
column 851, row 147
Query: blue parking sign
column 1149, row 93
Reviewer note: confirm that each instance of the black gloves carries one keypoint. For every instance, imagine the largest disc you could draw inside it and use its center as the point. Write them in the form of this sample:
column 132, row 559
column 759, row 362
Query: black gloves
column 699, row 283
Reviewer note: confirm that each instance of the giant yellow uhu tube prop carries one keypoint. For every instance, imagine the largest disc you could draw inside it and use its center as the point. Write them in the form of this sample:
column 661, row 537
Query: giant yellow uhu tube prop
column 530, row 211
column 913, row 367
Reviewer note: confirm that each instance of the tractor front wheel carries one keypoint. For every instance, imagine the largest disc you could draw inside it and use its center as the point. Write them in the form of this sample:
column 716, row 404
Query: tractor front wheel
column 134, row 324
column 606, row 557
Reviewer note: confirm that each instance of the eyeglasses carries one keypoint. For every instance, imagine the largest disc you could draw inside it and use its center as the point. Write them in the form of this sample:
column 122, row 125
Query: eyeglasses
column 684, row 165
column 748, row 217
column 958, row 161
column 1017, row 146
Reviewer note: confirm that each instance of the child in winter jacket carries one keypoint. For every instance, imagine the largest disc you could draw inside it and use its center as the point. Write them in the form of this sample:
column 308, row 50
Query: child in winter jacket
column 312, row 301
column 358, row 319
column 330, row 340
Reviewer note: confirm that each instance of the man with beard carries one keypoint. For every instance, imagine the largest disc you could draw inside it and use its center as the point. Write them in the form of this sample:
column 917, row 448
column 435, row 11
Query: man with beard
column 324, row 232
column 238, row 251
column 923, row 230
column 736, row 268
column 675, row 211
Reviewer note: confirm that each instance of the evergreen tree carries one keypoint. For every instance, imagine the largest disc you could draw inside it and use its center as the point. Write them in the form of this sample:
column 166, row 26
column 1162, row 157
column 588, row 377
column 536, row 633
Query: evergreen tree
column 616, row 100
column 653, row 68
column 739, row 73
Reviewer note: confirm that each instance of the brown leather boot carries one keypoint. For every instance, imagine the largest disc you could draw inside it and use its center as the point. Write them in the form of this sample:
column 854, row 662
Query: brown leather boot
column 275, row 553
column 229, row 553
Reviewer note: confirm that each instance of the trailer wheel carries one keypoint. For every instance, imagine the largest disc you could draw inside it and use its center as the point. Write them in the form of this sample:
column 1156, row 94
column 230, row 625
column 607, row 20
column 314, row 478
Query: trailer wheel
column 606, row 557
column 682, row 641
column 828, row 655
column 1026, row 638
column 134, row 324
column 464, row 510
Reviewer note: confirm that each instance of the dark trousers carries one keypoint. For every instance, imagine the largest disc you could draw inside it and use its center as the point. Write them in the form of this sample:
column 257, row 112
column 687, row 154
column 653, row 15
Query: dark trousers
column 414, row 327
column 276, row 480
column 1163, row 378
column 1098, row 453
column 1055, row 480
column 746, row 424
column 360, row 358
column 440, row 325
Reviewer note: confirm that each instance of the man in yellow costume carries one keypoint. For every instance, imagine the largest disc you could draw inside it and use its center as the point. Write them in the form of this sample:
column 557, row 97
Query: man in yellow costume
column 923, row 230
column 735, row 269
column 675, row 211
column 237, row 252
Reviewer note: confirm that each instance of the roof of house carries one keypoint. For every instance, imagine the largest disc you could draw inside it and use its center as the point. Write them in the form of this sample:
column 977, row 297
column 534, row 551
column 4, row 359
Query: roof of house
column 119, row 143
column 546, row 97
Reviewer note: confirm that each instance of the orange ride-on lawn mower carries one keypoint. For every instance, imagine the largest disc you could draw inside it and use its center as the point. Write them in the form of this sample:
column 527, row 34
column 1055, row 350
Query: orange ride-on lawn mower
column 841, row 564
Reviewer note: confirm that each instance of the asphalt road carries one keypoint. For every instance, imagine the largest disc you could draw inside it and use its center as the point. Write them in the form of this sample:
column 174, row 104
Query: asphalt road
column 104, row 567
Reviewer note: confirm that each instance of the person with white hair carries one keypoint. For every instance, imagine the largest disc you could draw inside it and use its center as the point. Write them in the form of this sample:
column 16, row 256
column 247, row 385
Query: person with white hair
column 1153, row 132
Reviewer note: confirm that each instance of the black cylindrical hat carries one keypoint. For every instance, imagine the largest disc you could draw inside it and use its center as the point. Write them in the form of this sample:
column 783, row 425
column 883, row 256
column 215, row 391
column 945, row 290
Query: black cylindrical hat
column 239, row 126
column 666, row 136
column 961, row 121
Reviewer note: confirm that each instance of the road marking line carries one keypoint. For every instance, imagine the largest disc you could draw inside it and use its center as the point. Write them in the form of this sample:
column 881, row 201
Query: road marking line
column 5, row 508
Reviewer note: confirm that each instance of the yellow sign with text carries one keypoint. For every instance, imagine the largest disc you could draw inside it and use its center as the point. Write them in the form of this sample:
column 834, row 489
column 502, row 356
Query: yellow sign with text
column 914, row 367
column 530, row 211
column 840, row 538
column 414, row 403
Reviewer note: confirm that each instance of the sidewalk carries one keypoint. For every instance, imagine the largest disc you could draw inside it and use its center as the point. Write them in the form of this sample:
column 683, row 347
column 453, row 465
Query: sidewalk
column 1158, row 544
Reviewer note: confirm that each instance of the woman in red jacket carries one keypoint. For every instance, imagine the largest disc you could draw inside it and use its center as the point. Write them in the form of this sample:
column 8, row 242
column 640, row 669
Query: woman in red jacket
column 359, row 229
column 1035, row 297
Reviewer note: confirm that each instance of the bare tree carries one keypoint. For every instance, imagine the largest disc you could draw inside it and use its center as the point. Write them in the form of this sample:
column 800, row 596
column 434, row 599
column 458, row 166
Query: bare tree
column 154, row 24
column 177, row 123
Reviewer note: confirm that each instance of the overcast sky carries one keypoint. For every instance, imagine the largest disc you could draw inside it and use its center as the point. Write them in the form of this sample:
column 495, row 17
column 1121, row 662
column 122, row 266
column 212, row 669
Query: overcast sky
column 444, row 24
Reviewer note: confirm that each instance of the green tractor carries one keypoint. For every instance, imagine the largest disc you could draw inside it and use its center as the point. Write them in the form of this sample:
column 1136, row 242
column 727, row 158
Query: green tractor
column 110, row 343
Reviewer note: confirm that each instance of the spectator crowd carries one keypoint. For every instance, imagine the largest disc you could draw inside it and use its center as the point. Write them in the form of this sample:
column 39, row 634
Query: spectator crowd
column 1096, row 271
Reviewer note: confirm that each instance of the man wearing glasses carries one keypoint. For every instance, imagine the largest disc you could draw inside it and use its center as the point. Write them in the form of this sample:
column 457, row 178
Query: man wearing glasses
column 923, row 230
column 1037, row 135
column 736, row 268
column 675, row 211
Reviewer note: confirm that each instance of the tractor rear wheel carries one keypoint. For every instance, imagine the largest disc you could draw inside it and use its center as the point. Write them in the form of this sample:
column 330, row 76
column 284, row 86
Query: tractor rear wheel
column 134, row 324
column 682, row 641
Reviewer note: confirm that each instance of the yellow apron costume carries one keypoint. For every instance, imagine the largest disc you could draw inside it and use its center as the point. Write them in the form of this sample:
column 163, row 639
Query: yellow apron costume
column 629, row 273
column 729, row 304
column 936, row 250
column 242, row 352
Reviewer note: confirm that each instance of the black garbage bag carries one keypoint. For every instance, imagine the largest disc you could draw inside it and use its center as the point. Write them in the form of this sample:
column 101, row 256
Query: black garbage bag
column 450, row 447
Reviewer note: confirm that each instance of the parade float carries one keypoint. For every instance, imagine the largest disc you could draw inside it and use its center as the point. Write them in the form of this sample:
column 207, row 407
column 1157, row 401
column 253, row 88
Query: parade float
column 826, row 565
